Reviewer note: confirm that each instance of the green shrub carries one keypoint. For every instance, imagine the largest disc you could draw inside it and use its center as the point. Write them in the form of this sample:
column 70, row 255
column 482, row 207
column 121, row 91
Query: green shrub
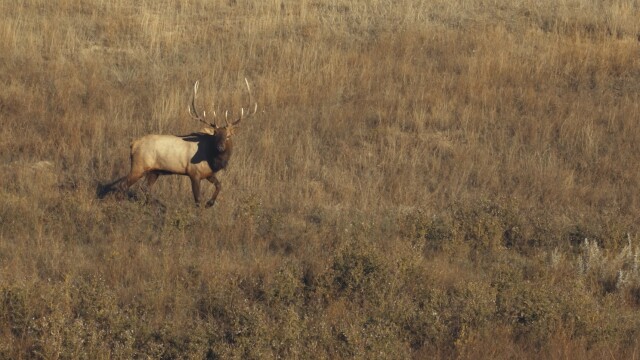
column 359, row 272
column 14, row 314
column 532, row 309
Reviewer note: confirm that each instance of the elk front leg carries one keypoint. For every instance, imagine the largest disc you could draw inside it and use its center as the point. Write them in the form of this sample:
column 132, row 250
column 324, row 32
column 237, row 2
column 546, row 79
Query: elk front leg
column 215, row 182
column 195, row 188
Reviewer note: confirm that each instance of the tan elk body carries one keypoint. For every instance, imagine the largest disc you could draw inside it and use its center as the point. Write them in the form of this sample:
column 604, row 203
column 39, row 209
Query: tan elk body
column 198, row 155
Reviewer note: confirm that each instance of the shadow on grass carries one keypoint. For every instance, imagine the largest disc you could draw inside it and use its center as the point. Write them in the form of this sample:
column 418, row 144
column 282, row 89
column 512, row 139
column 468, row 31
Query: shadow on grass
column 103, row 190
column 110, row 190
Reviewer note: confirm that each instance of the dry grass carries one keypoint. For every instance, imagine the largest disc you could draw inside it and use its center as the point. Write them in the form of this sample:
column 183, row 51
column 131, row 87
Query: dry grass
column 420, row 181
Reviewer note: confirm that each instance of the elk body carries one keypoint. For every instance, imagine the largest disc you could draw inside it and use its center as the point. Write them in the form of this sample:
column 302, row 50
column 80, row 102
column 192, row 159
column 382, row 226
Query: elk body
column 198, row 155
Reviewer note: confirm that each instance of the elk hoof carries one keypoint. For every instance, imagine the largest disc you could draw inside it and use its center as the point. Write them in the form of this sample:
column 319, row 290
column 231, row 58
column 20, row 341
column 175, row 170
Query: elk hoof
column 209, row 203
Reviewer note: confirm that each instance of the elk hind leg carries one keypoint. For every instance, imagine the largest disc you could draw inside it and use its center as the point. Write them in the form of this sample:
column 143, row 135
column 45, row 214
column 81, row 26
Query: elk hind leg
column 123, row 184
column 216, row 183
column 151, row 178
column 131, row 179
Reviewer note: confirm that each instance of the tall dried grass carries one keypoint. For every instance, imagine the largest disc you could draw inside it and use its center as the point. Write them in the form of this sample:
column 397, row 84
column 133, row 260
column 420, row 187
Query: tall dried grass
column 420, row 180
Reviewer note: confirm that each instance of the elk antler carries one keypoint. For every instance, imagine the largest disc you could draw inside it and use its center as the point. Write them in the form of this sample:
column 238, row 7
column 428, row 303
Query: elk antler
column 195, row 114
column 255, row 108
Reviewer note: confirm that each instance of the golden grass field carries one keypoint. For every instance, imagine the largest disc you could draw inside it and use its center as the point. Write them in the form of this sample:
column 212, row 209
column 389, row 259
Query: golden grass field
column 424, row 179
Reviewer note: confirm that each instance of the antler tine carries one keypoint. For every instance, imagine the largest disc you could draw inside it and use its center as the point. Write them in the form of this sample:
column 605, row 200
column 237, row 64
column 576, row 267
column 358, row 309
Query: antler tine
column 215, row 115
column 248, row 89
column 250, row 97
column 255, row 108
column 195, row 114
column 192, row 107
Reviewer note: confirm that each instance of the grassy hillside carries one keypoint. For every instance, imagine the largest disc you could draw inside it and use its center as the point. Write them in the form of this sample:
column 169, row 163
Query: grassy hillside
column 423, row 179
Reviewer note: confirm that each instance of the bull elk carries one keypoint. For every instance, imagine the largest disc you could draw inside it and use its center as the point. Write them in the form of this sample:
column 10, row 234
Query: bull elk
column 199, row 155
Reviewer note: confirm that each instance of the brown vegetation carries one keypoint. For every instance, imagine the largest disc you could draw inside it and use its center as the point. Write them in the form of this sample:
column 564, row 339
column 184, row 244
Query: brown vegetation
column 427, row 179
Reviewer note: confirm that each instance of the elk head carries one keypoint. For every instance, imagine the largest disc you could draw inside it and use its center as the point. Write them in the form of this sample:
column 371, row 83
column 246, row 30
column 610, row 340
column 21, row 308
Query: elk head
column 228, row 129
column 223, row 133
